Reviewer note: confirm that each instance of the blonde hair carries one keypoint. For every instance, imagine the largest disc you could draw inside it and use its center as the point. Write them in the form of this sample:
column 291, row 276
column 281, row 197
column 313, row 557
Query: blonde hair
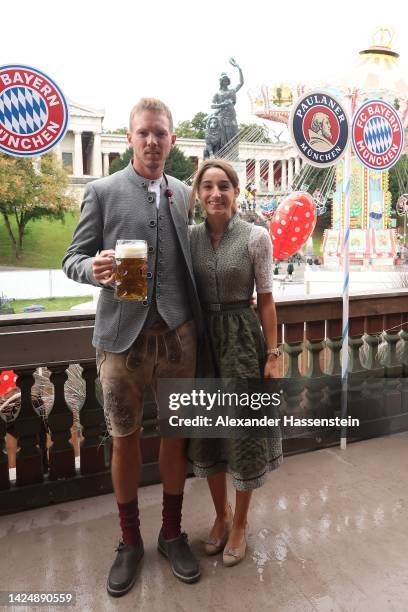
column 214, row 163
column 151, row 104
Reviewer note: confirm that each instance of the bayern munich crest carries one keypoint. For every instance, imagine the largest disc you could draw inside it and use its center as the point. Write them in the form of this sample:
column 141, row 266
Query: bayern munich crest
column 33, row 111
column 377, row 135
column 319, row 128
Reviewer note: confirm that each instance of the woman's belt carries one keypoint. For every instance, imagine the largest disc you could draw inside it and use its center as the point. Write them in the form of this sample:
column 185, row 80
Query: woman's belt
column 224, row 307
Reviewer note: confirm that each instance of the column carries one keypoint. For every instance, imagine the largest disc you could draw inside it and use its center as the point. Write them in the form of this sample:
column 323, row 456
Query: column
column 257, row 175
column 105, row 164
column 290, row 173
column 271, row 181
column 297, row 165
column 57, row 151
column 78, row 162
column 96, row 155
column 284, row 184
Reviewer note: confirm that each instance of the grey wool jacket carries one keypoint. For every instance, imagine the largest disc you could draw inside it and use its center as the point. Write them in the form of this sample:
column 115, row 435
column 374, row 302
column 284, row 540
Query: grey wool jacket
column 121, row 207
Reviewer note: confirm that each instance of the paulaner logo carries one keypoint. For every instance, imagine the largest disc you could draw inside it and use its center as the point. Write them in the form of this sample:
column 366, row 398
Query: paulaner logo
column 319, row 128
column 33, row 111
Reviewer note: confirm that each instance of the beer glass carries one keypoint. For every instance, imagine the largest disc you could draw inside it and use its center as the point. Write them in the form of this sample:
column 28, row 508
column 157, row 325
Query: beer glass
column 130, row 270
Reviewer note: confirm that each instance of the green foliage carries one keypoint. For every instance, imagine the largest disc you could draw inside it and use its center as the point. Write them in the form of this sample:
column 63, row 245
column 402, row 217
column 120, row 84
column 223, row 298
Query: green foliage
column 122, row 130
column 194, row 128
column 177, row 164
column 45, row 242
column 52, row 304
column 121, row 162
column 398, row 179
column 254, row 132
column 29, row 192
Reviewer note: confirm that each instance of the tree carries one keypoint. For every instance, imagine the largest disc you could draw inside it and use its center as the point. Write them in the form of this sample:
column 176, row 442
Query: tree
column 254, row 132
column 29, row 191
column 177, row 164
column 398, row 179
column 194, row 128
column 121, row 162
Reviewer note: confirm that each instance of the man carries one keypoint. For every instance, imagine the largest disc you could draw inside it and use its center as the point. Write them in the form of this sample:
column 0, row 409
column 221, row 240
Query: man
column 320, row 135
column 139, row 342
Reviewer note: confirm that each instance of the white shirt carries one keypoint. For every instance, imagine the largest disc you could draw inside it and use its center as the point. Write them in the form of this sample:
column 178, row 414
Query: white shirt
column 154, row 187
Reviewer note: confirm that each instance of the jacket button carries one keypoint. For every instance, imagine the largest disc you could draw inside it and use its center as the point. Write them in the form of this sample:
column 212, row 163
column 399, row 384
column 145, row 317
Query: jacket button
column 151, row 249
column 149, row 275
column 150, row 198
column 152, row 223
column 145, row 303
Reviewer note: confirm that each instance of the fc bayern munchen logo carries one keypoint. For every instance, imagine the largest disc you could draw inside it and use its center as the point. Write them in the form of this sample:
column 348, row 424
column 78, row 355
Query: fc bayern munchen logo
column 319, row 128
column 377, row 135
column 33, row 111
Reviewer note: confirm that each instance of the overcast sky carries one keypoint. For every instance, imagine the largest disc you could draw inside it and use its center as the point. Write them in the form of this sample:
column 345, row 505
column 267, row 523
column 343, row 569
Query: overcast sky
column 107, row 55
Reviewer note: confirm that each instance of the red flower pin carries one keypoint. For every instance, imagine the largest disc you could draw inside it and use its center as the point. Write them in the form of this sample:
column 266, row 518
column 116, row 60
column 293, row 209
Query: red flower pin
column 169, row 193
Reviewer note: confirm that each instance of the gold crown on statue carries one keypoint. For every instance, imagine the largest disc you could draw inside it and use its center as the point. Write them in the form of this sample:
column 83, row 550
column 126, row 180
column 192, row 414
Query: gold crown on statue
column 383, row 37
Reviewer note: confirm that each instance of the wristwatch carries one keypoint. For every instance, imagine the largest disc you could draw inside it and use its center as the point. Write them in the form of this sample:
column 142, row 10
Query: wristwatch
column 274, row 351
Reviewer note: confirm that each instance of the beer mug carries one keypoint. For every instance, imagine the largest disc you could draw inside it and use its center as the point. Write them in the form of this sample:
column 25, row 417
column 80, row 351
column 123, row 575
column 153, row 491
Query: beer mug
column 130, row 270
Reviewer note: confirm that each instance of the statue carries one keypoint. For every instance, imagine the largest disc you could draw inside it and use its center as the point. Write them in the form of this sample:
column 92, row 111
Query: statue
column 222, row 127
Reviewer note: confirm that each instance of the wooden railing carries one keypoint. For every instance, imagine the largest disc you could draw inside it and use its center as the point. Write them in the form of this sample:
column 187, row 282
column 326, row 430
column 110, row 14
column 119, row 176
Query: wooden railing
column 310, row 330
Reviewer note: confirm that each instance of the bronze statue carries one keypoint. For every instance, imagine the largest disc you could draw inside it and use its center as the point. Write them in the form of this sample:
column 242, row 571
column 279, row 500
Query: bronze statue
column 222, row 127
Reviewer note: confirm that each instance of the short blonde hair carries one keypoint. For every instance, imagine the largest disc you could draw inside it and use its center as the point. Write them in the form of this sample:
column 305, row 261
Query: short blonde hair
column 214, row 163
column 151, row 104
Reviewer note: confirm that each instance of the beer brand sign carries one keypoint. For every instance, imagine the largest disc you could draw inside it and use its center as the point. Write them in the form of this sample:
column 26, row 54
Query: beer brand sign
column 377, row 135
column 33, row 111
column 319, row 128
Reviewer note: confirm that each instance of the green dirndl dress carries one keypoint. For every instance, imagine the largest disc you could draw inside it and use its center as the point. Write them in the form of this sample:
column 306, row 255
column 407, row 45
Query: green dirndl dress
column 235, row 341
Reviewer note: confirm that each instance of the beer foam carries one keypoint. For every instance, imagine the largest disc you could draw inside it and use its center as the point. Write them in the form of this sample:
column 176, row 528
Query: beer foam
column 130, row 251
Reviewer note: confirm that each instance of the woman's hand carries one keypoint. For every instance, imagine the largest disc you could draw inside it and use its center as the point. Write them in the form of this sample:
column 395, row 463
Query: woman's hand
column 102, row 267
column 271, row 369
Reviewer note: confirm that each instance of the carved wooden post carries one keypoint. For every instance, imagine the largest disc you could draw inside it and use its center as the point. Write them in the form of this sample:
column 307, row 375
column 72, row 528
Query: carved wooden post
column 333, row 371
column 293, row 347
column 333, row 343
column 356, row 378
column 27, row 425
column 393, row 368
column 93, row 424
column 373, row 391
column 313, row 403
column 61, row 453
column 4, row 466
column 403, row 355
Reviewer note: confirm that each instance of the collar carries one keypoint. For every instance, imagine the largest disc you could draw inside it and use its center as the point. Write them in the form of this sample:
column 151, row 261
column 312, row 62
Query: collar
column 230, row 225
column 141, row 181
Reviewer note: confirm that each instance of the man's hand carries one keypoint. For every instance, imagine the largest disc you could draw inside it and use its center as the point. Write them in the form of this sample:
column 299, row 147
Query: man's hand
column 102, row 267
column 271, row 369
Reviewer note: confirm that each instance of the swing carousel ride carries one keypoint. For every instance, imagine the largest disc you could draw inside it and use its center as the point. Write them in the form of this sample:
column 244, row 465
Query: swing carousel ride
column 376, row 74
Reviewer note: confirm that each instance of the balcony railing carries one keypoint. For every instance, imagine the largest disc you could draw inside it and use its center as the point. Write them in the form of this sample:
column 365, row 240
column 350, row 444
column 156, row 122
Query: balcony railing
column 50, row 468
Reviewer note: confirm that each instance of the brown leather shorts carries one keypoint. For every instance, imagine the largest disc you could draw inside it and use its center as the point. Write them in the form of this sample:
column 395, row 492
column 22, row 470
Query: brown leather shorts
column 157, row 353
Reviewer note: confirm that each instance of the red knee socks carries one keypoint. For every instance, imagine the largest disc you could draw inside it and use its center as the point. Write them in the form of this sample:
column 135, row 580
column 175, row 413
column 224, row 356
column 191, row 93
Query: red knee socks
column 129, row 522
column 172, row 505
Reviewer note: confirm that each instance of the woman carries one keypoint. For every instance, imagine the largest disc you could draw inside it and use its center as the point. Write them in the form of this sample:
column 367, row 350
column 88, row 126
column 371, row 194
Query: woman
column 228, row 255
column 224, row 105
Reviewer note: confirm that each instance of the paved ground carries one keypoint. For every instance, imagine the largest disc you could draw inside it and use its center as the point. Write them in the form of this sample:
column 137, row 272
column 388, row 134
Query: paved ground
column 328, row 532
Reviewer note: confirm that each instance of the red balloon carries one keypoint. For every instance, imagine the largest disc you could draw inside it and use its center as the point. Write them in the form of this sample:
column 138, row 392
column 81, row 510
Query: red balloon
column 7, row 381
column 292, row 224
